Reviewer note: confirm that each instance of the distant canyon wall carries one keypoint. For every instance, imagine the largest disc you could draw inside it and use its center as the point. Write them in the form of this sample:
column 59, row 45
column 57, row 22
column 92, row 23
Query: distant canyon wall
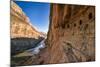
column 23, row 34
column 71, row 36
column 20, row 24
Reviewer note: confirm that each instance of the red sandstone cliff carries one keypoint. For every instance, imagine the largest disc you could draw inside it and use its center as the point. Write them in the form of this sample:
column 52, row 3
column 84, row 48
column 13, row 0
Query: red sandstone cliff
column 71, row 36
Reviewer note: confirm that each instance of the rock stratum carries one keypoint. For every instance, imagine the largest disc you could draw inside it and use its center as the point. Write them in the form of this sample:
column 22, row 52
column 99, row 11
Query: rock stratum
column 71, row 36
column 20, row 24
column 23, row 34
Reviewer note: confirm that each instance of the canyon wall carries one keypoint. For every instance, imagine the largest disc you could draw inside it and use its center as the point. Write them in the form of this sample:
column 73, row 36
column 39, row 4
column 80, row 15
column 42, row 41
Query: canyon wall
column 71, row 36
column 20, row 24
column 23, row 34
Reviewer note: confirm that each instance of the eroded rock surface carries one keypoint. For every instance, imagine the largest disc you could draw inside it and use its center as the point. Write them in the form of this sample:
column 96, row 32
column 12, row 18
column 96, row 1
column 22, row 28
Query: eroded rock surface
column 23, row 34
column 20, row 24
column 71, row 36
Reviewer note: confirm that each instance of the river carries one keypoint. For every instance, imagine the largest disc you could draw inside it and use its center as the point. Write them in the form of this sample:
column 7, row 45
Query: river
column 32, row 51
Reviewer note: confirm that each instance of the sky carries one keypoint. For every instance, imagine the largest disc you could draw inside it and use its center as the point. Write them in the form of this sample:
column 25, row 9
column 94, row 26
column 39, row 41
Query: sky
column 38, row 13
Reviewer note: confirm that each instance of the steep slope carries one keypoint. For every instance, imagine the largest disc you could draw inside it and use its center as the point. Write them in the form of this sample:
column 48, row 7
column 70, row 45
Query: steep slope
column 71, row 36
column 20, row 24
column 23, row 33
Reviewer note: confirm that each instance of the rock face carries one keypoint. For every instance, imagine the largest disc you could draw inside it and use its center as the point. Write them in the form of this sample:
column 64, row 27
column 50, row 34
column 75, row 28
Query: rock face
column 20, row 24
column 23, row 34
column 71, row 36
